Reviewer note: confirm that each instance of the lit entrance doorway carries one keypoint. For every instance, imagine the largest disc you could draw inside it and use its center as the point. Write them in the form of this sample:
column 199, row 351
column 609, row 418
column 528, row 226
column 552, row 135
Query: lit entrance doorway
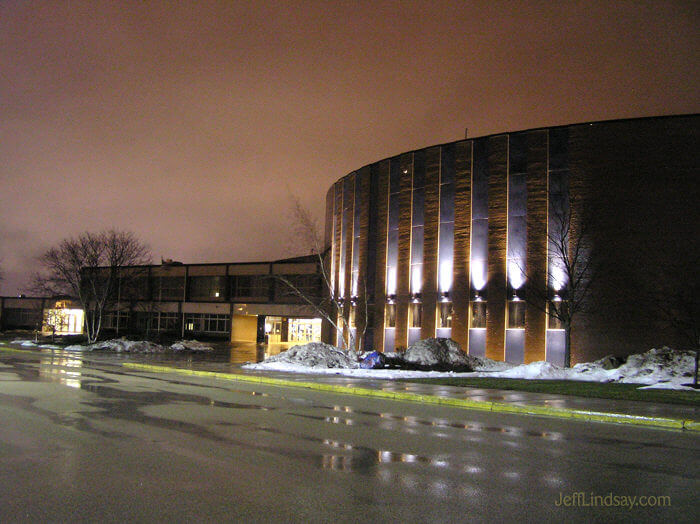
column 63, row 319
column 280, row 330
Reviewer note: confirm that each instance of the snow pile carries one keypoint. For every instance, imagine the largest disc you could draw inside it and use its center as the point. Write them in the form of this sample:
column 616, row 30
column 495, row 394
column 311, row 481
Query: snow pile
column 26, row 343
column 658, row 368
column 665, row 367
column 533, row 370
column 120, row 345
column 311, row 355
column 439, row 354
column 190, row 345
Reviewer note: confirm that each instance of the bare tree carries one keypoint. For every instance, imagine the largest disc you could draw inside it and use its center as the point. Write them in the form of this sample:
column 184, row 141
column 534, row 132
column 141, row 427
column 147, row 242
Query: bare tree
column 88, row 268
column 307, row 231
column 669, row 290
column 571, row 270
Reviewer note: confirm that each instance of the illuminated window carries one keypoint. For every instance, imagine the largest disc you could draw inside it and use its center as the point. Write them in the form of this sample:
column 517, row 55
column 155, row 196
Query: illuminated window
column 210, row 323
column 352, row 316
column 478, row 315
column 516, row 314
column 206, row 288
column 445, row 314
column 554, row 316
column 415, row 314
column 390, row 316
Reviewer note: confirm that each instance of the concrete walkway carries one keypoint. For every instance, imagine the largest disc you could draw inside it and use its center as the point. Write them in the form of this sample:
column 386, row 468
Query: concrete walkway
column 668, row 416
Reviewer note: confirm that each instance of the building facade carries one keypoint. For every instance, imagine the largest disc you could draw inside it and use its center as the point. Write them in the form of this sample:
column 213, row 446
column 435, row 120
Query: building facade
column 239, row 302
column 448, row 240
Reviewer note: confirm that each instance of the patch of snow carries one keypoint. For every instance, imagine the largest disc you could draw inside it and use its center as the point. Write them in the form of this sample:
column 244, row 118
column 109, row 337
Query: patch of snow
column 439, row 354
column 311, row 355
column 77, row 347
column 190, row 345
column 658, row 368
column 533, row 370
column 26, row 343
column 120, row 345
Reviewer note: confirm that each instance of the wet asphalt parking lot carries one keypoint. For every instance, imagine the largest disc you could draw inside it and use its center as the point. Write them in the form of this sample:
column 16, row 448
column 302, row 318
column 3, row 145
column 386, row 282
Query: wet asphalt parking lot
column 84, row 439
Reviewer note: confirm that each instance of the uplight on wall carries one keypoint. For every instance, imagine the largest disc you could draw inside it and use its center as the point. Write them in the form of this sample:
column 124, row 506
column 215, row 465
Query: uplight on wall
column 391, row 282
column 478, row 268
column 557, row 275
column 445, row 276
column 416, row 279
column 516, row 276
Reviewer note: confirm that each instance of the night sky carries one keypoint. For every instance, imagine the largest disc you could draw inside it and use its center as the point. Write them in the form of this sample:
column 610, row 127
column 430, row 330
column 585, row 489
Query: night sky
column 190, row 123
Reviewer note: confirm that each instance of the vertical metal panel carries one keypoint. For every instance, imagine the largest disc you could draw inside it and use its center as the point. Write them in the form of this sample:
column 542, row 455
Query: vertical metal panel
column 477, row 342
column 404, row 260
column 515, row 344
column 381, row 171
column 556, row 343
column 462, row 228
column 348, row 222
column 498, row 225
column 430, row 240
column 535, row 319
column 362, row 201
column 370, row 288
column 337, row 227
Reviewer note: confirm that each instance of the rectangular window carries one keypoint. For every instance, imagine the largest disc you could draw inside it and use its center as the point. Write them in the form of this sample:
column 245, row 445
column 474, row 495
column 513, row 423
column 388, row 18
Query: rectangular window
column 554, row 316
column 206, row 323
column 352, row 316
column 250, row 286
column 390, row 316
column 207, row 288
column 17, row 317
column 415, row 314
column 516, row 314
column 115, row 319
column 445, row 314
column 170, row 288
column 478, row 315
column 290, row 287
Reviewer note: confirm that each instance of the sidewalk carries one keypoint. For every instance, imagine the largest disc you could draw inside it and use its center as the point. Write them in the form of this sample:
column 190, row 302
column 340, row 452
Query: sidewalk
column 667, row 416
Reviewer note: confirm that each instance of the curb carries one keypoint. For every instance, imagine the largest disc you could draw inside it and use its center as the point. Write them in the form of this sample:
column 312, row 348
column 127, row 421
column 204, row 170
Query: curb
column 495, row 407
column 7, row 349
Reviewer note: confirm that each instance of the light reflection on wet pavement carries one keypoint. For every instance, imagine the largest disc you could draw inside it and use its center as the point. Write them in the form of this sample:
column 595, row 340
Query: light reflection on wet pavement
column 395, row 460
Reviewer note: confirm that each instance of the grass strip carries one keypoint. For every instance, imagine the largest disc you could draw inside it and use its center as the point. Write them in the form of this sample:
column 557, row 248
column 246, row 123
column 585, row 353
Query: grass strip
column 605, row 390
column 500, row 407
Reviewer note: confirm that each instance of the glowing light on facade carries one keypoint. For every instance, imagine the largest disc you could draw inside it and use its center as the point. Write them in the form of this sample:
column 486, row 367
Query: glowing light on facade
column 416, row 279
column 391, row 281
column 478, row 268
column 445, row 276
column 516, row 277
column 557, row 275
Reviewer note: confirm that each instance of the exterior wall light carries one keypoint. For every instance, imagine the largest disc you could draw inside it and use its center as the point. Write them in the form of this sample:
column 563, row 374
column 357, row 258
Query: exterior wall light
column 353, row 300
column 391, row 298
column 445, row 296
column 415, row 297
column 556, row 298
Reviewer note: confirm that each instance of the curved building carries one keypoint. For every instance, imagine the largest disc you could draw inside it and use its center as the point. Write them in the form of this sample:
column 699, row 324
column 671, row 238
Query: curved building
column 456, row 240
